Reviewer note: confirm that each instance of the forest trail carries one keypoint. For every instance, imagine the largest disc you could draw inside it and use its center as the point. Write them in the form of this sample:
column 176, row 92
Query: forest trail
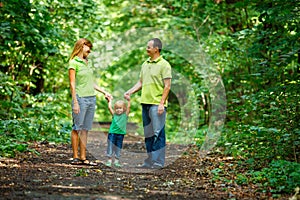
column 51, row 176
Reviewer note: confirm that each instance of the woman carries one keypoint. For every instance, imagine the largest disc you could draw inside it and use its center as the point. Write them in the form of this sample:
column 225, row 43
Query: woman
column 83, row 98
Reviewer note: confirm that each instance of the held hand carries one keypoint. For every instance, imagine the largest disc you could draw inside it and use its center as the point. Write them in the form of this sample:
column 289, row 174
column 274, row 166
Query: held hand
column 127, row 96
column 108, row 97
column 160, row 109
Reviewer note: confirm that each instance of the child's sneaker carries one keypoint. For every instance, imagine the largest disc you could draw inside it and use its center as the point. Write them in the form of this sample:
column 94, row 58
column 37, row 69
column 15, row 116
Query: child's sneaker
column 108, row 163
column 117, row 164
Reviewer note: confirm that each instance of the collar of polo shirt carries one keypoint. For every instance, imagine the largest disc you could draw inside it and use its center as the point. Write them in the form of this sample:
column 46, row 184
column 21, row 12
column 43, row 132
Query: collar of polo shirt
column 154, row 61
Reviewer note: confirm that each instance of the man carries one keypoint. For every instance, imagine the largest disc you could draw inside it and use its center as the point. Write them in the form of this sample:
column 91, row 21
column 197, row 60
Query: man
column 155, row 83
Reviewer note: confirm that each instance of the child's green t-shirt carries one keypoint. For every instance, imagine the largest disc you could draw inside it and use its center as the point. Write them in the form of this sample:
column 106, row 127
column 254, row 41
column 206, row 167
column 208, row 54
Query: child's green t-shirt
column 118, row 124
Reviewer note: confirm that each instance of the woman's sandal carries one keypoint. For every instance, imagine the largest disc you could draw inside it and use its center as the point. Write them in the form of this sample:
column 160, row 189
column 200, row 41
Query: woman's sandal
column 87, row 162
column 76, row 161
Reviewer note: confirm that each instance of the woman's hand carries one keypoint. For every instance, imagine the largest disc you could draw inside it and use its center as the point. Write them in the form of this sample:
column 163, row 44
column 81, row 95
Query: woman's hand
column 76, row 108
column 108, row 96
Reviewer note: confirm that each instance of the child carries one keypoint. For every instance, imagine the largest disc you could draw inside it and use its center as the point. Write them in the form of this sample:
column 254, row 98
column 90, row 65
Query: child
column 117, row 131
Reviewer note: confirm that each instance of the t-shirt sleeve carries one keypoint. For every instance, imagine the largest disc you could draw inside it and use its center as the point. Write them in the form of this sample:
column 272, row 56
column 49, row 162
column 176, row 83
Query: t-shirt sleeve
column 167, row 71
column 72, row 65
column 141, row 72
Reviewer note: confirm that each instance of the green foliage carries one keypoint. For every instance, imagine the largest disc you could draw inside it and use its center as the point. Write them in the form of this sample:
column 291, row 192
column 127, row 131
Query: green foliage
column 28, row 118
column 26, row 41
column 241, row 179
column 9, row 147
column 200, row 135
column 216, row 173
column 16, row 133
column 11, row 100
column 82, row 172
column 278, row 177
column 271, row 125
column 281, row 176
column 261, row 75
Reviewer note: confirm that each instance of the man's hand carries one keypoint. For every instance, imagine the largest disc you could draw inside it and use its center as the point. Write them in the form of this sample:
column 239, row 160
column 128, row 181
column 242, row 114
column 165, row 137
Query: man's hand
column 127, row 96
column 161, row 109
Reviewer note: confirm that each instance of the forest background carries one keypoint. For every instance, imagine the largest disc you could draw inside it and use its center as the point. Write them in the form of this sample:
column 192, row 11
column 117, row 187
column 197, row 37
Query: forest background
column 250, row 48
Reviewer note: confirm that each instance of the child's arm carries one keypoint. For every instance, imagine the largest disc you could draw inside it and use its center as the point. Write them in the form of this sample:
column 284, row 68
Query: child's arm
column 111, row 110
column 128, row 107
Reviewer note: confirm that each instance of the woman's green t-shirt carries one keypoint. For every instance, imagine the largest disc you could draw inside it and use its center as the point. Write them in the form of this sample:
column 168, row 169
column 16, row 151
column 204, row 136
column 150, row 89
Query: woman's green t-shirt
column 84, row 77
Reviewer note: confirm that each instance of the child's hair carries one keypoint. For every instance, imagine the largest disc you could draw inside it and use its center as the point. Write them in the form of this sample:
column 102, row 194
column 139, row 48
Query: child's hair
column 120, row 103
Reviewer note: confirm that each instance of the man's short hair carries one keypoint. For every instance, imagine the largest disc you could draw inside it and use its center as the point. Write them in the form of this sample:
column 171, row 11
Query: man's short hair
column 157, row 43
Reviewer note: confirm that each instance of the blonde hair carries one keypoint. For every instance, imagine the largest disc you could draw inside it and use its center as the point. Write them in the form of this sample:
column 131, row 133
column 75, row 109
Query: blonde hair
column 120, row 103
column 79, row 46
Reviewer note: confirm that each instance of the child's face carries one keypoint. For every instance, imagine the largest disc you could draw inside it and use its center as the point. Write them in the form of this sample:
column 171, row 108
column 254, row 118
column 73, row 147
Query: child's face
column 119, row 110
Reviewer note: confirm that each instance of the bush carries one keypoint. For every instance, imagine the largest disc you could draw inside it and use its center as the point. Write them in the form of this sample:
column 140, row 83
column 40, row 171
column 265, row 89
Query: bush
column 281, row 176
column 26, row 118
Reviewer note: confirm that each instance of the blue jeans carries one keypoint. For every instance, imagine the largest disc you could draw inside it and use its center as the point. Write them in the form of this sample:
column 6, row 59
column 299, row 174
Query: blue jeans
column 114, row 145
column 154, row 132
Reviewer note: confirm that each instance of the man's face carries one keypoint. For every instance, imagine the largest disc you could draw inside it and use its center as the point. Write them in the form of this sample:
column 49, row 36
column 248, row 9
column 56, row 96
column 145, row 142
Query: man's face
column 150, row 49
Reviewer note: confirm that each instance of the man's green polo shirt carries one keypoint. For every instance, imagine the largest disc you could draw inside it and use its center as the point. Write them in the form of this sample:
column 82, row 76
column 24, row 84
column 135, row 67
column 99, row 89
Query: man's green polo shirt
column 84, row 77
column 152, row 75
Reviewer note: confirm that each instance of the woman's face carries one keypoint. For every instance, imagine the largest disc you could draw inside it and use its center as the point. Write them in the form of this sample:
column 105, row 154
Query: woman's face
column 86, row 50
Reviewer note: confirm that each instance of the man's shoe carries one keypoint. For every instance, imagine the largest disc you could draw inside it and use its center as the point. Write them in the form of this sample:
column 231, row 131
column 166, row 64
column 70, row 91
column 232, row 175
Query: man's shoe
column 145, row 166
column 156, row 166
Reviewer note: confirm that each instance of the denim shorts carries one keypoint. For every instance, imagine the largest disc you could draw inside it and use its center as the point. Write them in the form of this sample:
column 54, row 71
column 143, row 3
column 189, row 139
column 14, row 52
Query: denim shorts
column 84, row 119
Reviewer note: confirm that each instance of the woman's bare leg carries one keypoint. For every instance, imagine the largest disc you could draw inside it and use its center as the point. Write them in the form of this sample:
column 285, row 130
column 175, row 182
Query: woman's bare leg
column 75, row 143
column 82, row 144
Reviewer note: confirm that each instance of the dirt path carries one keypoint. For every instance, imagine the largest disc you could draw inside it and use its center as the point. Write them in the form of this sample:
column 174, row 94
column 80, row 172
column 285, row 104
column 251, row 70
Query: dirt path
column 51, row 176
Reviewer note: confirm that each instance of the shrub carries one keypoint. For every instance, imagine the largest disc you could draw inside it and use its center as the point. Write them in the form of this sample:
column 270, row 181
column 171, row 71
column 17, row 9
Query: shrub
column 281, row 176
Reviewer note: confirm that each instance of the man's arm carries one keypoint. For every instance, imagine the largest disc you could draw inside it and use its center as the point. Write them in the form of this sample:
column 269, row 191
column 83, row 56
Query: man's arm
column 132, row 90
column 167, row 88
